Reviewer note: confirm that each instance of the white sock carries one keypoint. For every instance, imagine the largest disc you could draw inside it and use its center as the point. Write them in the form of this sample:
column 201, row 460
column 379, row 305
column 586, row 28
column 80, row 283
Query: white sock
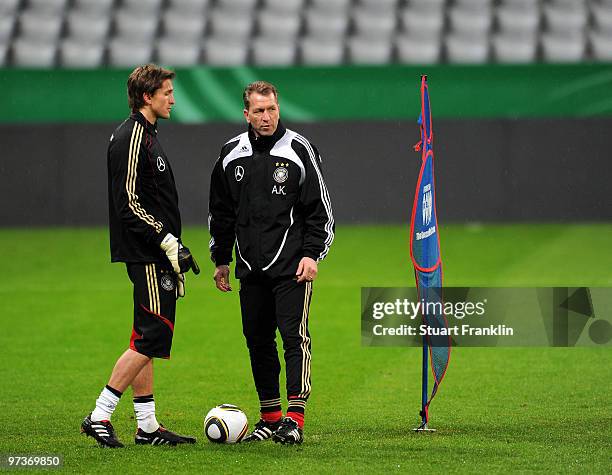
column 105, row 406
column 144, row 407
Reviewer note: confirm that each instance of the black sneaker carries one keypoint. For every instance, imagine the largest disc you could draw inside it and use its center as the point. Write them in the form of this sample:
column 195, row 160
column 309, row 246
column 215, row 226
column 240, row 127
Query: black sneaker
column 288, row 432
column 101, row 431
column 161, row 436
column 263, row 430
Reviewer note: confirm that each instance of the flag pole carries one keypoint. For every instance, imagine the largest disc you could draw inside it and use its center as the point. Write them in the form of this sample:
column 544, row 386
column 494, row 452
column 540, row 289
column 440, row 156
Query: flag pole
column 424, row 395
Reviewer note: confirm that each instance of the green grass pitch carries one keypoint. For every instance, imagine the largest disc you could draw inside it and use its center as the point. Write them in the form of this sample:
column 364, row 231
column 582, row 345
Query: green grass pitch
column 66, row 317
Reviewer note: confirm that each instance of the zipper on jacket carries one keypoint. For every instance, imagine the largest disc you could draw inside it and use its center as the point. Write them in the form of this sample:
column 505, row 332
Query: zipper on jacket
column 257, row 216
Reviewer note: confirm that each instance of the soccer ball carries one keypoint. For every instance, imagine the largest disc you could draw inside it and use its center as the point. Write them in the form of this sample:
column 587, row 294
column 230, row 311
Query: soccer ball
column 225, row 424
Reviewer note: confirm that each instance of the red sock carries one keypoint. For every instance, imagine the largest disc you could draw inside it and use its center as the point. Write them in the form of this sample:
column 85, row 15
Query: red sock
column 297, row 417
column 272, row 416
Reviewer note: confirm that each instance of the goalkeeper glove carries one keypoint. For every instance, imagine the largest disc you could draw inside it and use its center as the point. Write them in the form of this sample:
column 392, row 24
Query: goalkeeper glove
column 170, row 245
column 180, row 286
column 187, row 261
column 179, row 256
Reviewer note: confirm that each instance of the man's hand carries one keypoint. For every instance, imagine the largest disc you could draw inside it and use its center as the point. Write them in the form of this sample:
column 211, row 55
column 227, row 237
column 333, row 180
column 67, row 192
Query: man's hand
column 179, row 256
column 307, row 270
column 180, row 286
column 221, row 278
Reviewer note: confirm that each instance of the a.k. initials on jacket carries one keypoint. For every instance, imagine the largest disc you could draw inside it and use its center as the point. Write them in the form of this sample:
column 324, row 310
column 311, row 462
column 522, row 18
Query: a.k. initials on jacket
column 142, row 196
column 268, row 197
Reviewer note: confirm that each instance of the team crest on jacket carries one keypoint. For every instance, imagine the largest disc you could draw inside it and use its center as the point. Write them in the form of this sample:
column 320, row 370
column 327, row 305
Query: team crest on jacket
column 280, row 175
column 167, row 282
column 161, row 165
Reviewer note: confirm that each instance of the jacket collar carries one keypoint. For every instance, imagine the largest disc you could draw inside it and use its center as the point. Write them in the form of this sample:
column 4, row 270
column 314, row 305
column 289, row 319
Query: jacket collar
column 262, row 143
column 138, row 117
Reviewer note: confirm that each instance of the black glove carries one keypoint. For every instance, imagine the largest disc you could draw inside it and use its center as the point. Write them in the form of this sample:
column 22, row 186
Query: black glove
column 186, row 261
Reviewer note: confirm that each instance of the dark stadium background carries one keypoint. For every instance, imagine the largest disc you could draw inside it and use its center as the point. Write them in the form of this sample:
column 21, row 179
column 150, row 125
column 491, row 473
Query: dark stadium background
column 513, row 143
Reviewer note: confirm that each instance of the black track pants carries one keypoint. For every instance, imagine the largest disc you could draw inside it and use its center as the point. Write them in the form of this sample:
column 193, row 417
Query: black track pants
column 267, row 305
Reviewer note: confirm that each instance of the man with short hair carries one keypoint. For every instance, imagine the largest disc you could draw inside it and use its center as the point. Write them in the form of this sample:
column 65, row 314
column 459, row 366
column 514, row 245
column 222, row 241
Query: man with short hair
column 145, row 230
column 268, row 197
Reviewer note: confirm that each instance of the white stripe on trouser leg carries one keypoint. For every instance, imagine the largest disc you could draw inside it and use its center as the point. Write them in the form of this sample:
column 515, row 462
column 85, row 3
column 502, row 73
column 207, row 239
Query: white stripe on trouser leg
column 305, row 343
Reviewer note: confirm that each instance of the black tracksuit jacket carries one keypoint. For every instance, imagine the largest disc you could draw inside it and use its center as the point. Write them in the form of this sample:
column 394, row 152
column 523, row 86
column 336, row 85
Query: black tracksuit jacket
column 142, row 196
column 268, row 197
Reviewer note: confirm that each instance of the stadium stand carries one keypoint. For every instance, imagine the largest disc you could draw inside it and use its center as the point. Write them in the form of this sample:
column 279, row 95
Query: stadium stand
column 226, row 22
column 220, row 51
column 517, row 18
column 87, row 26
column 422, row 19
column 101, row 7
column 7, row 23
column 188, row 7
column 30, row 53
column 40, row 25
column 418, row 49
column 322, row 50
column 279, row 24
column 470, row 19
column 368, row 50
column 127, row 51
column 50, row 6
column 178, row 24
column 285, row 6
column 74, row 53
column 269, row 51
column 320, row 22
column 3, row 51
column 332, row 5
column 377, row 24
column 97, row 33
column 178, row 51
column 141, row 26
column 514, row 48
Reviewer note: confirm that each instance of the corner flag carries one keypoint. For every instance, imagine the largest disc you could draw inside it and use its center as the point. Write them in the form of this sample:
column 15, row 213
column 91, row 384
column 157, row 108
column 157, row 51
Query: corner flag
column 427, row 261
